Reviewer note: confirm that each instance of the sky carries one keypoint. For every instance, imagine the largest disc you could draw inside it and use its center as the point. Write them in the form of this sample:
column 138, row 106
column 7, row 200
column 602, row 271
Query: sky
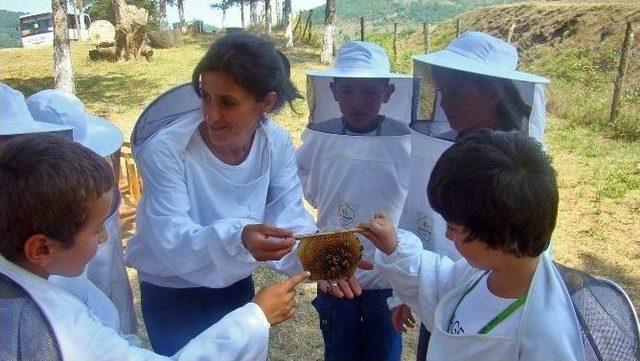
column 193, row 9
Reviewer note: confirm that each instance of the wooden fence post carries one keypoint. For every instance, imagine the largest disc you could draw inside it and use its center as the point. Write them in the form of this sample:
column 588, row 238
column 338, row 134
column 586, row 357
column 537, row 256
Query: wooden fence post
column 512, row 28
column 361, row 28
column 304, row 32
column 622, row 70
column 457, row 27
column 427, row 37
column 395, row 41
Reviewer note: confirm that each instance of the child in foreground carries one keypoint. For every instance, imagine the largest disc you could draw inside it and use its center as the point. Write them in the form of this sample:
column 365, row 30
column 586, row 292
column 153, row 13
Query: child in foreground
column 54, row 198
column 505, row 300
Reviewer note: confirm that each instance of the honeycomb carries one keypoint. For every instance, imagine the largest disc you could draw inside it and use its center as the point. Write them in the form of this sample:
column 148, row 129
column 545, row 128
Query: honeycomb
column 330, row 256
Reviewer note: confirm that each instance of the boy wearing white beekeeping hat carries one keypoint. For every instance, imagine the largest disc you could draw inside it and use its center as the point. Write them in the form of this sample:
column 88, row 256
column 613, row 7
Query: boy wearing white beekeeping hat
column 354, row 161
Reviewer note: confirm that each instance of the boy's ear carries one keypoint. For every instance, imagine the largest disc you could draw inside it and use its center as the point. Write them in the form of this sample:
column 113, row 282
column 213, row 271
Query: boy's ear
column 38, row 250
column 388, row 91
column 332, row 86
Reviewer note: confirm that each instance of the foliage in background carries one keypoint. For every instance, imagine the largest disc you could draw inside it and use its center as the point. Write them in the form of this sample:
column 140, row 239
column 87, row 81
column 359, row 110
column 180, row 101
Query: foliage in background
column 9, row 36
column 103, row 10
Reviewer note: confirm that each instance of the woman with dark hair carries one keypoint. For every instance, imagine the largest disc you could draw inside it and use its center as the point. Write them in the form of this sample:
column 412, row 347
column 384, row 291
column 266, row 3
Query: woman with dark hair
column 213, row 181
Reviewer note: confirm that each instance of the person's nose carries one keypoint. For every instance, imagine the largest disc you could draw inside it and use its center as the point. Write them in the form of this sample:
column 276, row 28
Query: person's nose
column 211, row 112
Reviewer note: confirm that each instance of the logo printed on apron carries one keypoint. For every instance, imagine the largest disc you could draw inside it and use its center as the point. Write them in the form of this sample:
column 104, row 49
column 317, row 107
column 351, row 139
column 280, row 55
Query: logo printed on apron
column 423, row 226
column 347, row 212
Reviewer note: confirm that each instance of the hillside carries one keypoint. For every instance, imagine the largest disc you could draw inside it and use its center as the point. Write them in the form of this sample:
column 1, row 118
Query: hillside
column 9, row 37
column 380, row 12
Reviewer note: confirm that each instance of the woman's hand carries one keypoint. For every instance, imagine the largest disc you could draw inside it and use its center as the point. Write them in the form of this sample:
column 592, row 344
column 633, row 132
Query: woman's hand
column 267, row 243
column 401, row 318
column 381, row 232
column 277, row 301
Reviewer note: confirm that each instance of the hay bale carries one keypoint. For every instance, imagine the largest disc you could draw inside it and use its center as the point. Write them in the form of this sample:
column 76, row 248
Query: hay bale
column 163, row 39
column 102, row 33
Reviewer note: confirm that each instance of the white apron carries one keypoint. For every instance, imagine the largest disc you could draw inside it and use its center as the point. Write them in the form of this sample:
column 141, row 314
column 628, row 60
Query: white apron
column 348, row 178
column 417, row 216
column 549, row 328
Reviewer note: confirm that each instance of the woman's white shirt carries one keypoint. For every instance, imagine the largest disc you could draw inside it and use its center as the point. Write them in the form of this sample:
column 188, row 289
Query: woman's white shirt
column 241, row 335
column 244, row 172
column 191, row 215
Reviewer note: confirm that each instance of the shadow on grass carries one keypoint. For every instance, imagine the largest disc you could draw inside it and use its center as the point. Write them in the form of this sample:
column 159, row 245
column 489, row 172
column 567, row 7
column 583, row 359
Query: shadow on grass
column 114, row 89
column 117, row 90
column 601, row 267
column 30, row 85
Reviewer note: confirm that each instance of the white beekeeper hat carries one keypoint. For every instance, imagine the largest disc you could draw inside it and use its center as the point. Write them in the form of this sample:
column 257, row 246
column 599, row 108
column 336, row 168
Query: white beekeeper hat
column 61, row 108
column 15, row 117
column 360, row 59
column 480, row 53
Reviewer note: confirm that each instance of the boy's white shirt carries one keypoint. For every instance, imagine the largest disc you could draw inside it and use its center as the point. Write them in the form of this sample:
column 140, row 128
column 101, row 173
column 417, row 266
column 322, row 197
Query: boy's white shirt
column 348, row 178
column 241, row 335
column 432, row 285
column 190, row 218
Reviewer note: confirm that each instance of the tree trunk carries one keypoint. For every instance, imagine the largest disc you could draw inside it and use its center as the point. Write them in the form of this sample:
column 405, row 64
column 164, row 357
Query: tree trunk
column 329, row 32
column 181, row 14
column 62, row 66
column 242, row 13
column 119, row 9
column 278, row 9
column 267, row 17
column 224, row 16
column 288, row 30
column 253, row 13
column 162, row 14
column 83, row 26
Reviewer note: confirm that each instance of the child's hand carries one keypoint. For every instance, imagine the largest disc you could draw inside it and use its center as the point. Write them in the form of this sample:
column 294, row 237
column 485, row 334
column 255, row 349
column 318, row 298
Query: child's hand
column 381, row 232
column 277, row 300
column 401, row 318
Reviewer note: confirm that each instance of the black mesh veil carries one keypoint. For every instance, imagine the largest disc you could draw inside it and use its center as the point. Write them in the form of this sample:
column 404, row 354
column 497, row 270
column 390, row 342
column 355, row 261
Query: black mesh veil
column 25, row 332
column 164, row 110
column 608, row 319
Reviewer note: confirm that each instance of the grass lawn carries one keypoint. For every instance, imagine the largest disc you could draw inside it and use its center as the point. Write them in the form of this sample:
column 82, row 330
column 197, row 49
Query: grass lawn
column 598, row 227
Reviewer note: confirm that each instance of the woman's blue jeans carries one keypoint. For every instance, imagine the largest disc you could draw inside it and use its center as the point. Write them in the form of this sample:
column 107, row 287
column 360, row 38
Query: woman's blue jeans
column 174, row 316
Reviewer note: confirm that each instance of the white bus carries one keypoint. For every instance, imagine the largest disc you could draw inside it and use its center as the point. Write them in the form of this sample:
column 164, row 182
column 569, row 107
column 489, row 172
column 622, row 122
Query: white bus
column 37, row 29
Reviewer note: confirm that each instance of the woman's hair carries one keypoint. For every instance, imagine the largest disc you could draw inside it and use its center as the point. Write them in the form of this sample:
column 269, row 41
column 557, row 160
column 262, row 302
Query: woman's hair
column 511, row 111
column 254, row 63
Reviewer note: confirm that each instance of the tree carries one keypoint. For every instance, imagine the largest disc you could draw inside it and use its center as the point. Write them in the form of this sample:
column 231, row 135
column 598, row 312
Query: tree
column 131, row 29
column 62, row 66
column 181, row 14
column 288, row 26
column 223, row 5
column 267, row 17
column 162, row 15
column 242, row 13
column 329, row 32
column 253, row 13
